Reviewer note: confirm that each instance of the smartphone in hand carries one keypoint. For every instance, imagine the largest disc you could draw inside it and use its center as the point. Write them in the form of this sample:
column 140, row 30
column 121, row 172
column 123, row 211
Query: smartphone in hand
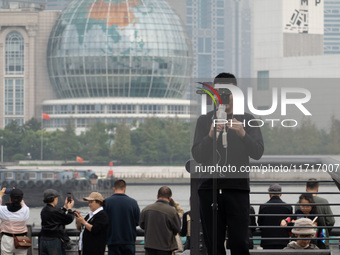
column 69, row 197
column 8, row 191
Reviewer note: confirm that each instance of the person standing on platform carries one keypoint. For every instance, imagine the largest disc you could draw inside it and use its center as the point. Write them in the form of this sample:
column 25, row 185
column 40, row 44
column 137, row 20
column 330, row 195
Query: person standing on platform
column 123, row 213
column 161, row 223
column 243, row 142
column 282, row 208
column 93, row 227
column 53, row 237
column 312, row 186
column 14, row 216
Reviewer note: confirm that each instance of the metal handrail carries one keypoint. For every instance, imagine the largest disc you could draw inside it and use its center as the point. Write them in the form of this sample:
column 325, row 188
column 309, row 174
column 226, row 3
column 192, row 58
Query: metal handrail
column 289, row 182
column 293, row 238
column 296, row 204
column 290, row 227
column 296, row 215
column 292, row 192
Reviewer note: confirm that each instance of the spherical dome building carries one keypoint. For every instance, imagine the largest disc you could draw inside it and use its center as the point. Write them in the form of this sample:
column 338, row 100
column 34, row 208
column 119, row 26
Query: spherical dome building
column 117, row 60
column 119, row 48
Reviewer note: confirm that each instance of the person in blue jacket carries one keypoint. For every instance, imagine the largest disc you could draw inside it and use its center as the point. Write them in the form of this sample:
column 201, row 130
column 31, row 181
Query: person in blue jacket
column 123, row 213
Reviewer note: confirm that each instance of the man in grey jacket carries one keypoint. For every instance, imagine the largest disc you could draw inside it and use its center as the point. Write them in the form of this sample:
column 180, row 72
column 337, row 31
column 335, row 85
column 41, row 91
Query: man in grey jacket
column 312, row 186
column 161, row 224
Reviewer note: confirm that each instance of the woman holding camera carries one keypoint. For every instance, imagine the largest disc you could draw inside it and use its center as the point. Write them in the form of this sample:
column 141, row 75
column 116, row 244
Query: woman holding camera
column 14, row 216
column 94, row 226
column 53, row 237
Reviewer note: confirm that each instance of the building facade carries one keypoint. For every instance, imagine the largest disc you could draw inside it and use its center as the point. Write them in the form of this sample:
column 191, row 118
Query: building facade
column 221, row 37
column 332, row 27
column 288, row 52
column 24, row 81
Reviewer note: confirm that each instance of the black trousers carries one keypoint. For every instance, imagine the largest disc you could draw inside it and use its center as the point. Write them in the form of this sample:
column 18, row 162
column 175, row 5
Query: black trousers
column 233, row 211
column 149, row 251
column 123, row 249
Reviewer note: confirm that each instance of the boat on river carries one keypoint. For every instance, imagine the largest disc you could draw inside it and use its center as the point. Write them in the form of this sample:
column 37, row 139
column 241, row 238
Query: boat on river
column 33, row 183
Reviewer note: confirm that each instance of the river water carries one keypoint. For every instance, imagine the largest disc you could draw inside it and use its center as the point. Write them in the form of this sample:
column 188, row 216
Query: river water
column 147, row 194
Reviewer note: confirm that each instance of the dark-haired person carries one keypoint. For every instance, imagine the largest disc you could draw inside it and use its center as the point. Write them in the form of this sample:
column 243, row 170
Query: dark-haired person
column 14, row 216
column 123, row 213
column 94, row 226
column 244, row 142
column 161, row 223
column 53, row 237
column 312, row 186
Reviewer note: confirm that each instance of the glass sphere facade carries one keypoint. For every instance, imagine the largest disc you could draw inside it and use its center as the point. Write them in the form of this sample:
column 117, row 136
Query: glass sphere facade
column 119, row 48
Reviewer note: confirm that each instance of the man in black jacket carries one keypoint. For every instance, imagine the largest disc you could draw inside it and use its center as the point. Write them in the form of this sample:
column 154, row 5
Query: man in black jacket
column 283, row 208
column 161, row 224
column 244, row 141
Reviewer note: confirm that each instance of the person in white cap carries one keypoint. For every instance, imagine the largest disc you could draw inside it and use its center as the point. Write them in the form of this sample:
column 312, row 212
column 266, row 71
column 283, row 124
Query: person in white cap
column 94, row 226
column 303, row 244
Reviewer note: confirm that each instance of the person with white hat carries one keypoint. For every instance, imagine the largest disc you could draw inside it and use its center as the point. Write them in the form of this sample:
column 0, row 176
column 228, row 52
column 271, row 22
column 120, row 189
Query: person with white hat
column 300, row 230
column 94, row 226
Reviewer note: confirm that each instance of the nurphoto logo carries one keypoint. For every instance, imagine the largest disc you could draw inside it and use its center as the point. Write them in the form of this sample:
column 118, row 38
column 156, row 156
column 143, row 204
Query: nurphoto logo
column 301, row 97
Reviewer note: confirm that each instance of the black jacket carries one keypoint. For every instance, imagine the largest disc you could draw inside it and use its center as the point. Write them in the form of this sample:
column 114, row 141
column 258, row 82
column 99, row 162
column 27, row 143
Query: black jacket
column 239, row 150
column 94, row 242
column 53, row 221
column 274, row 221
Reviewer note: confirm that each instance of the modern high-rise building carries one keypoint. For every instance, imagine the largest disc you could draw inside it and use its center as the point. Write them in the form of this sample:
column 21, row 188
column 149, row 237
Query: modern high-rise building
column 288, row 52
column 221, row 37
column 24, row 81
column 332, row 27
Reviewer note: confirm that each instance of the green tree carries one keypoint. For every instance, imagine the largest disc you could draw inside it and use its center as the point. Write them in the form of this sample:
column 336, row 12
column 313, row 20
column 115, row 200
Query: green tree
column 333, row 146
column 67, row 146
column 94, row 143
column 32, row 124
column 151, row 147
column 176, row 140
column 307, row 139
column 31, row 143
column 12, row 137
column 122, row 149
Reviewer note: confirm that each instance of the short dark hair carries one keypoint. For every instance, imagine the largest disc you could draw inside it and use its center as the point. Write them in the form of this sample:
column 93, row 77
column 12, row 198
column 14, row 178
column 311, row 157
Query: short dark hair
column 16, row 196
column 225, row 78
column 49, row 200
column 165, row 192
column 120, row 184
column 312, row 184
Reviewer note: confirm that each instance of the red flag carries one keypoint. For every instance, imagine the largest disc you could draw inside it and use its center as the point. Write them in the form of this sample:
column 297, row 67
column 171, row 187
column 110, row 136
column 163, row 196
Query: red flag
column 80, row 160
column 45, row 116
column 111, row 164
